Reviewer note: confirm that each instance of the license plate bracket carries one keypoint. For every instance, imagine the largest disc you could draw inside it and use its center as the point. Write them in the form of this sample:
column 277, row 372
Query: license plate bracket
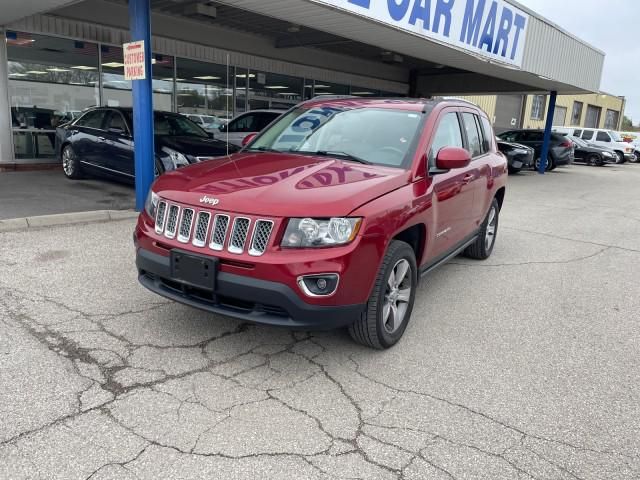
column 198, row 271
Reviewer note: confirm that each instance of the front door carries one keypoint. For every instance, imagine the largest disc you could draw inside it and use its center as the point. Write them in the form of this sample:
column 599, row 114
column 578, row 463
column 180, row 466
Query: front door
column 453, row 190
column 89, row 137
column 118, row 151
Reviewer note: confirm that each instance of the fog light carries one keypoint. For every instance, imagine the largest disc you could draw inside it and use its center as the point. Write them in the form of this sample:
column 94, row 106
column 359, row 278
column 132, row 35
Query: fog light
column 319, row 285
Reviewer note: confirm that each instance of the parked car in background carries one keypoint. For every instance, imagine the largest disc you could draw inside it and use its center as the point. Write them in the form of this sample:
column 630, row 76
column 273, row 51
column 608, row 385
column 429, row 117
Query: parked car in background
column 634, row 139
column 560, row 149
column 518, row 156
column 603, row 138
column 100, row 142
column 209, row 123
column 246, row 123
column 585, row 152
column 328, row 218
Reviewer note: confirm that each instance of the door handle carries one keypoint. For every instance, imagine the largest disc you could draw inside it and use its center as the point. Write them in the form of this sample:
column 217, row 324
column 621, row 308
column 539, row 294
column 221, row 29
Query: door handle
column 101, row 139
column 468, row 178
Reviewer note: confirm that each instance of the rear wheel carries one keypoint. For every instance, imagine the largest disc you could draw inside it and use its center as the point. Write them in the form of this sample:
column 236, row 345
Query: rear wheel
column 389, row 308
column 483, row 246
column 70, row 163
column 550, row 165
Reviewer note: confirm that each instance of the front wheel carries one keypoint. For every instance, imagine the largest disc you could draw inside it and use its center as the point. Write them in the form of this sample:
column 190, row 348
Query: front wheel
column 636, row 157
column 389, row 308
column 482, row 247
column 513, row 170
column 594, row 160
column 70, row 163
column 620, row 156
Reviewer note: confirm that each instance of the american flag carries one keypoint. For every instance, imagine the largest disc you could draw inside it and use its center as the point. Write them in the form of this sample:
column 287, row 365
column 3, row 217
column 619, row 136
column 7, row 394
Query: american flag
column 85, row 48
column 19, row 39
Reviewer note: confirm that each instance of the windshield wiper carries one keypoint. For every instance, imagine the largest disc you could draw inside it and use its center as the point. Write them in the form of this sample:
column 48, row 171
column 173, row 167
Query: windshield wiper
column 264, row 149
column 336, row 153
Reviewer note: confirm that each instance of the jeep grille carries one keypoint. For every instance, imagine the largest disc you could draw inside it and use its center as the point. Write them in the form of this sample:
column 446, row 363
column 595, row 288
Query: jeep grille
column 218, row 231
column 260, row 238
column 185, row 225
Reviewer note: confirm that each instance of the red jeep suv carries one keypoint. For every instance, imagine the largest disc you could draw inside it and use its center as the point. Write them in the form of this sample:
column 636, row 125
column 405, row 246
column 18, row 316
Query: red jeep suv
column 328, row 217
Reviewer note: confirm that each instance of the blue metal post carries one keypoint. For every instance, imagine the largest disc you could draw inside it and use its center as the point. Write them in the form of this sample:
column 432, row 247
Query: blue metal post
column 140, row 26
column 547, row 133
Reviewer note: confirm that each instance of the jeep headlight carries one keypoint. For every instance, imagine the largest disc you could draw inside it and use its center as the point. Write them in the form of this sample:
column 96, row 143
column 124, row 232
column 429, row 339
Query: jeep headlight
column 151, row 204
column 316, row 232
column 607, row 154
column 176, row 158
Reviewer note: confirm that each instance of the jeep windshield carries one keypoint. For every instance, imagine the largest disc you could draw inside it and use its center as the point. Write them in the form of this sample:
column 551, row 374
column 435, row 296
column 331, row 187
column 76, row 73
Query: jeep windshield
column 378, row 136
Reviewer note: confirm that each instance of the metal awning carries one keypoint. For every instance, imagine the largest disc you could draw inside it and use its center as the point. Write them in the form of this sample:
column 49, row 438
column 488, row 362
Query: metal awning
column 551, row 58
column 24, row 8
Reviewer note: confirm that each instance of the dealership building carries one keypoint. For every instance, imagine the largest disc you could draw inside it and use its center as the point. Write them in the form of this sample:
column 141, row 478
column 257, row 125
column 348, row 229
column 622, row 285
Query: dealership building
column 227, row 57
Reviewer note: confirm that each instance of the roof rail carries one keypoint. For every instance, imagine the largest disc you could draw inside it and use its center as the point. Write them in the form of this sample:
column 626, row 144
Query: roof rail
column 333, row 97
column 458, row 99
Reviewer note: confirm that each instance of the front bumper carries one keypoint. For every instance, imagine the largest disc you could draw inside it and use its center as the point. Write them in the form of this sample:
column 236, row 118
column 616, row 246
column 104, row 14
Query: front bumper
column 244, row 298
column 630, row 157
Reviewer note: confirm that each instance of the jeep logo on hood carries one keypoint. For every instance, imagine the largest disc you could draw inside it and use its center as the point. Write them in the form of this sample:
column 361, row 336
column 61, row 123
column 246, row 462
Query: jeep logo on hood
column 209, row 201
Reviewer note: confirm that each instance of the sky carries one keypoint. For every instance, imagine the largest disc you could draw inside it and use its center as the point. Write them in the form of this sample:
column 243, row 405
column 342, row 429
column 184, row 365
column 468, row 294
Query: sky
column 610, row 26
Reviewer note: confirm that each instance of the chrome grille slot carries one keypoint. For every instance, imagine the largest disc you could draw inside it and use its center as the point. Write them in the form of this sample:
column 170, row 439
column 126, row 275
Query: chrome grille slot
column 185, row 225
column 260, row 238
column 202, row 226
column 172, row 221
column 239, row 233
column 219, row 232
column 161, row 217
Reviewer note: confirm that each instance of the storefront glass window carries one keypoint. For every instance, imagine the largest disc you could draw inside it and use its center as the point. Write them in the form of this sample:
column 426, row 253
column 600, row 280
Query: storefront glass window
column 270, row 90
column 326, row 88
column 117, row 90
column 51, row 80
column 203, row 90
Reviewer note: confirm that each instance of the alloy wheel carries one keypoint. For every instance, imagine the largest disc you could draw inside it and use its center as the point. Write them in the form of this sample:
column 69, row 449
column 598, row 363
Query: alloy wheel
column 397, row 295
column 67, row 162
column 490, row 231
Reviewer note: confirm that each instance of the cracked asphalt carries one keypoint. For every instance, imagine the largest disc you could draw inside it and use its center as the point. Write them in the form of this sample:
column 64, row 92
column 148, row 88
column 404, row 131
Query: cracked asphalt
column 526, row 366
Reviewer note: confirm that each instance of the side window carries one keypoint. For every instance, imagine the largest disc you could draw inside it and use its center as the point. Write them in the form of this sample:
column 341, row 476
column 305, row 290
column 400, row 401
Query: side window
column 116, row 121
column 510, row 137
column 473, row 136
column 243, row 124
column 264, row 119
column 485, row 133
column 587, row 135
column 448, row 134
column 92, row 119
column 577, row 133
column 489, row 135
column 603, row 137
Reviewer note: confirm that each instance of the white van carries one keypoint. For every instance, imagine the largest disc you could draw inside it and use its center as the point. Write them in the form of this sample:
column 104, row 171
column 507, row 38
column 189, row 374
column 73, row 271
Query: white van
column 602, row 138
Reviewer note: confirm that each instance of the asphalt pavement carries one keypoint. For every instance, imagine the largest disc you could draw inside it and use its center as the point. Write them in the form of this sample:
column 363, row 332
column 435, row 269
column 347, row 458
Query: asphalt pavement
column 48, row 192
column 526, row 366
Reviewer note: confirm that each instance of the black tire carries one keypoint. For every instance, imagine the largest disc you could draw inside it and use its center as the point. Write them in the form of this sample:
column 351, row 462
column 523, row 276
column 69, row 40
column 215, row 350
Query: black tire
column 70, row 163
column 621, row 158
column 513, row 170
column 371, row 329
column 593, row 160
column 481, row 249
column 637, row 157
column 550, row 165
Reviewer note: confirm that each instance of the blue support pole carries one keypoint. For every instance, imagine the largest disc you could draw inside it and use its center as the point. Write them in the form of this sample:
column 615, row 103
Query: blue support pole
column 547, row 133
column 140, row 26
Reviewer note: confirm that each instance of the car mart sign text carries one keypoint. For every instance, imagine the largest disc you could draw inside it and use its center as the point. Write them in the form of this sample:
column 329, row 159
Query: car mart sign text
column 491, row 28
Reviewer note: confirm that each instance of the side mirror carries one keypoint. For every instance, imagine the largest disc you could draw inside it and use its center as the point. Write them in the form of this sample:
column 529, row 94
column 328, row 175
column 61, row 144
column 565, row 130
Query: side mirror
column 450, row 158
column 223, row 127
column 248, row 139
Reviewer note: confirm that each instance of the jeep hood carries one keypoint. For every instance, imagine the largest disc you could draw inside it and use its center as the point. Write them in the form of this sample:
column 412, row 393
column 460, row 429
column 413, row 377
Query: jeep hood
column 280, row 184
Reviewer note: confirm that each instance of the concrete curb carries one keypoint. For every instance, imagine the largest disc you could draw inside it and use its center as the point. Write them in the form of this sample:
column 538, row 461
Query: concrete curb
column 15, row 224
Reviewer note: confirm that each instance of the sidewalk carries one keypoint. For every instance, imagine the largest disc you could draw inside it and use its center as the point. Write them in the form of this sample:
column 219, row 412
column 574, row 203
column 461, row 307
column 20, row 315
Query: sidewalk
column 27, row 194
